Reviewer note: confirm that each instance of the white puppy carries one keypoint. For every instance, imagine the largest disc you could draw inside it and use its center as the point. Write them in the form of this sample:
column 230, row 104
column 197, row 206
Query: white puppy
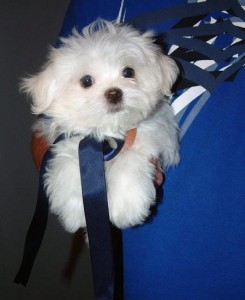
column 102, row 83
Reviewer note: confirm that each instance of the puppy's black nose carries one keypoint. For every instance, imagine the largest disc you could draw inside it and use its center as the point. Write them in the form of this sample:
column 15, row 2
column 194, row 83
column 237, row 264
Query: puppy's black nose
column 114, row 95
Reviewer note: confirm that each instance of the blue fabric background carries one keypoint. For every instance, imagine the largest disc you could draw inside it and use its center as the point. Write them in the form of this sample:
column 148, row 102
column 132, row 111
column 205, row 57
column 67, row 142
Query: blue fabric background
column 194, row 248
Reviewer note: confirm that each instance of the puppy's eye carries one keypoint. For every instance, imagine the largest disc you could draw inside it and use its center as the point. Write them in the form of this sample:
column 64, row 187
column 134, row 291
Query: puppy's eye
column 128, row 72
column 86, row 81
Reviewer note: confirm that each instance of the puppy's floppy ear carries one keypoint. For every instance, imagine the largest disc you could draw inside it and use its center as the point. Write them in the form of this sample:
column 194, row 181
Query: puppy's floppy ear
column 167, row 69
column 169, row 72
column 41, row 88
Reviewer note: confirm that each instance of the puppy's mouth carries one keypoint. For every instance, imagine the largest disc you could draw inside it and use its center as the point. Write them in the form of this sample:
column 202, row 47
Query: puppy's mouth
column 115, row 108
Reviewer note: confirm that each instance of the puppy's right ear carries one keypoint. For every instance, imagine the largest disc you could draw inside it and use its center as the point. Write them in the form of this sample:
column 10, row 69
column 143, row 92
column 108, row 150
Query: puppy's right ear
column 41, row 88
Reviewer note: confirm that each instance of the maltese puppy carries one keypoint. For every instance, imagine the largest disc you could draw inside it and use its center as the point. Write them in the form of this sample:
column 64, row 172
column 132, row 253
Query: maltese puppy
column 102, row 83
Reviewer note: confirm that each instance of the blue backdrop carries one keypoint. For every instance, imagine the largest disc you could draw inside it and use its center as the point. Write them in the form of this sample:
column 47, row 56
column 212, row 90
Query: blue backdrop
column 194, row 248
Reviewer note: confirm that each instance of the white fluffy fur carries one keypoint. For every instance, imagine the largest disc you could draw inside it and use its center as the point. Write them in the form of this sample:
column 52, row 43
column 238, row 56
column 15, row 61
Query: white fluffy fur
column 102, row 50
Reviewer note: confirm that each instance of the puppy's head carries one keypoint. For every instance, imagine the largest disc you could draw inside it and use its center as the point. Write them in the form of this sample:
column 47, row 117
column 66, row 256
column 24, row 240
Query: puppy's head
column 106, row 79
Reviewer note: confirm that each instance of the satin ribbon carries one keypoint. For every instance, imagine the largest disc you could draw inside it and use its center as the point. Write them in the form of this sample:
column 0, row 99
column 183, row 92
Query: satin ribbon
column 38, row 224
column 91, row 162
column 97, row 217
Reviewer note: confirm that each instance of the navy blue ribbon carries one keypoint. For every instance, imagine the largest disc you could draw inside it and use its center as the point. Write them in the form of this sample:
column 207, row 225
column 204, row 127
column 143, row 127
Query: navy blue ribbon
column 97, row 217
column 38, row 224
column 92, row 155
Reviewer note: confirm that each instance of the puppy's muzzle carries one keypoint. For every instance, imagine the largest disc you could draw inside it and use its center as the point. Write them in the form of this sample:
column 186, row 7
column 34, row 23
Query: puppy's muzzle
column 114, row 95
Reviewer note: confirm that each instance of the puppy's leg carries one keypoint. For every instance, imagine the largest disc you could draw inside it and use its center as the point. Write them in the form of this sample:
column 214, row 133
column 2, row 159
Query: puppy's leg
column 63, row 186
column 131, row 190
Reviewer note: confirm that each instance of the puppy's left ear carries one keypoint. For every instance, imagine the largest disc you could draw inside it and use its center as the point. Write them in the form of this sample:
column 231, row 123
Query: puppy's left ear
column 169, row 72
column 166, row 68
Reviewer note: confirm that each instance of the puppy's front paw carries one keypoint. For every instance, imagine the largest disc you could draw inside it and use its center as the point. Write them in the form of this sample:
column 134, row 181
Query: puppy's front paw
column 131, row 191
